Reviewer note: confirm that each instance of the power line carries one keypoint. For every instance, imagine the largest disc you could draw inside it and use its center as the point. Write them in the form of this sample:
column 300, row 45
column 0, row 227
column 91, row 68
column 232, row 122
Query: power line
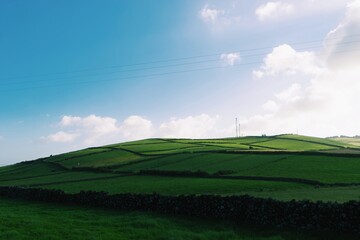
column 142, row 76
column 158, row 74
column 180, row 59
column 149, row 68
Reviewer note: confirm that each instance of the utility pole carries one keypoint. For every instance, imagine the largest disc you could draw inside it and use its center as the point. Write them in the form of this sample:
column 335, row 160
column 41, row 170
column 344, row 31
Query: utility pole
column 239, row 131
column 236, row 125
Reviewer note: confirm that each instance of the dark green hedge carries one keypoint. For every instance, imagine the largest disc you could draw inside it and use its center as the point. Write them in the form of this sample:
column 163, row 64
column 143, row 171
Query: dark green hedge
column 224, row 175
column 339, row 217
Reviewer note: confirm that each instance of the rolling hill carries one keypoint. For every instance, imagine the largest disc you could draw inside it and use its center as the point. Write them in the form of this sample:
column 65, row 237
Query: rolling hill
column 284, row 167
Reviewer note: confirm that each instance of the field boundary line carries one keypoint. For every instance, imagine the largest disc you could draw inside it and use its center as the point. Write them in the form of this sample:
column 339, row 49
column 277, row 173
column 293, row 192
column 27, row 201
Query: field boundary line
column 75, row 181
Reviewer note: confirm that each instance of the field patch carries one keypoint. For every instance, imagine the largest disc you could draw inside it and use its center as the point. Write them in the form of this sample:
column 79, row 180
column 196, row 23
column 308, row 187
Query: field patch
column 355, row 141
column 206, row 162
column 287, row 144
column 51, row 178
column 327, row 169
column 157, row 148
column 75, row 154
column 101, row 160
column 30, row 170
column 174, row 185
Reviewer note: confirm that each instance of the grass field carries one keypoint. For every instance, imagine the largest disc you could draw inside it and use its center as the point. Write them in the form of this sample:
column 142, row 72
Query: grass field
column 283, row 167
column 99, row 160
column 39, row 221
column 174, row 185
column 22, row 220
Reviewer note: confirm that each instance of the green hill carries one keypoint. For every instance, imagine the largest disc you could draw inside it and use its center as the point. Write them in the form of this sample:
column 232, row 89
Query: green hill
column 284, row 167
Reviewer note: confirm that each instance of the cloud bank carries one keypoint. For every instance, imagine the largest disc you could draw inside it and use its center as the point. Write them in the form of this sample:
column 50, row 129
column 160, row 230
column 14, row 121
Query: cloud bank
column 96, row 130
column 324, row 99
column 284, row 60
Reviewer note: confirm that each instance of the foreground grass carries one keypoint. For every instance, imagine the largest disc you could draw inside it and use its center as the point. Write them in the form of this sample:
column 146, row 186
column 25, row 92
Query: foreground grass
column 24, row 220
column 27, row 220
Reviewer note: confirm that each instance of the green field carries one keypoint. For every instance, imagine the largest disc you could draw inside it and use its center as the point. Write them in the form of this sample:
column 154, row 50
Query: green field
column 116, row 168
column 348, row 140
column 22, row 220
column 283, row 167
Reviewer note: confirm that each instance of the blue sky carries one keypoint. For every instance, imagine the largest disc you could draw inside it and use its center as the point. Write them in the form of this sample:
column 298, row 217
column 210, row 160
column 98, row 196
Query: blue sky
column 84, row 73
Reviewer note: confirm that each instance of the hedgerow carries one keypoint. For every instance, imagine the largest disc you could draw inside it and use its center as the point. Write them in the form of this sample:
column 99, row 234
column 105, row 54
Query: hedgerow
column 328, row 216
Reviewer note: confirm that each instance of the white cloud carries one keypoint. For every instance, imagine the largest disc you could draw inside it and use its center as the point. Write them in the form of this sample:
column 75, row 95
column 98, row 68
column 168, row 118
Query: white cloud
column 219, row 19
column 62, row 137
column 258, row 73
column 342, row 34
column 96, row 126
column 233, row 15
column 289, row 94
column 70, row 121
column 287, row 61
column 229, row 59
column 90, row 130
column 211, row 15
column 326, row 101
column 96, row 130
column 318, row 6
column 283, row 9
column 136, row 127
column 200, row 126
column 270, row 106
column 274, row 10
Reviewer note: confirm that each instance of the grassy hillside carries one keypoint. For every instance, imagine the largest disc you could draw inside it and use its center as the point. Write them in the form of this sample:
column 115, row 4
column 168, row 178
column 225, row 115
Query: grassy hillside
column 24, row 220
column 284, row 166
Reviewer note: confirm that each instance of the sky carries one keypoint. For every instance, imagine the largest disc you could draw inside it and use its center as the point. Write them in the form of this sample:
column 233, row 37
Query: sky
column 83, row 73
